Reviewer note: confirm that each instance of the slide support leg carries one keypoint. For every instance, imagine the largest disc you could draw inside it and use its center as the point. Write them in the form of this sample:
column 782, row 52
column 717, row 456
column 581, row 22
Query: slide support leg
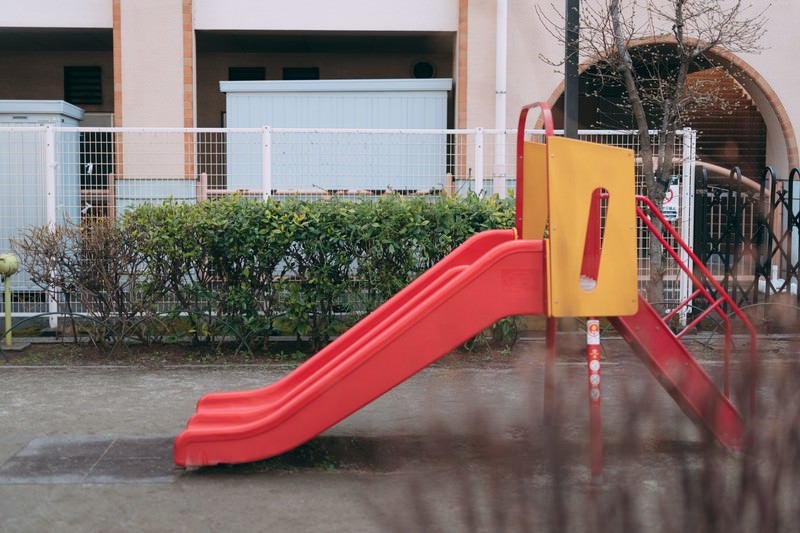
column 551, row 329
column 595, row 415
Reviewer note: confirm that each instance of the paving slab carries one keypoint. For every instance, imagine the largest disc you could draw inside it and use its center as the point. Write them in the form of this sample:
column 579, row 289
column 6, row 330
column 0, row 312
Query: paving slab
column 82, row 459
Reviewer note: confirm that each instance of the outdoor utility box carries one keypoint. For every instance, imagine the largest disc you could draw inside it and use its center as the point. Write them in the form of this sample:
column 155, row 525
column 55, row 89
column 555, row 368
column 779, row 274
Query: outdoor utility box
column 39, row 112
column 352, row 160
column 39, row 167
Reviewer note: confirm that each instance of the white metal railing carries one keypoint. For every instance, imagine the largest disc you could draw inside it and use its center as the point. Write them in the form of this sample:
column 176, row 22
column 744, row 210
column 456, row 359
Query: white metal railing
column 49, row 174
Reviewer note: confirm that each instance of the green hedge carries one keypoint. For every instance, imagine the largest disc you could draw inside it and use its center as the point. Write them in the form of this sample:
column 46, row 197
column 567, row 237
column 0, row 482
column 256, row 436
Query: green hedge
column 251, row 269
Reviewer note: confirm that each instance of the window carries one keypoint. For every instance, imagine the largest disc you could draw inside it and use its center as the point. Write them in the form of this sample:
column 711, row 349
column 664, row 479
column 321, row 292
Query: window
column 83, row 85
column 247, row 73
column 301, row 73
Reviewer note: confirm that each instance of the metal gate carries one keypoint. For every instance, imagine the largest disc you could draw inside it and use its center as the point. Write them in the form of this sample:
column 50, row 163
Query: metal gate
column 746, row 233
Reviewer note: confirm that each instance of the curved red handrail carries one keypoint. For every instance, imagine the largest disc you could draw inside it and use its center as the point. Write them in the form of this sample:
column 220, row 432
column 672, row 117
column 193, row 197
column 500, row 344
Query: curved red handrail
column 547, row 116
column 715, row 303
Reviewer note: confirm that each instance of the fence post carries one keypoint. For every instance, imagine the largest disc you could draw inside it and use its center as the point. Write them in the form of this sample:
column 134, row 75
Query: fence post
column 792, row 216
column 478, row 160
column 266, row 165
column 767, row 266
column 50, row 165
column 499, row 171
column 686, row 203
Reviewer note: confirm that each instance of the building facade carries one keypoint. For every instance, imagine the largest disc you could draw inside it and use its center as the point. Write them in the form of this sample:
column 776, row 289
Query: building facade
column 159, row 63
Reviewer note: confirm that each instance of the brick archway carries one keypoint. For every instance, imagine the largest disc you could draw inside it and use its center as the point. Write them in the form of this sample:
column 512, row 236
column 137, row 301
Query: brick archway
column 771, row 107
column 758, row 87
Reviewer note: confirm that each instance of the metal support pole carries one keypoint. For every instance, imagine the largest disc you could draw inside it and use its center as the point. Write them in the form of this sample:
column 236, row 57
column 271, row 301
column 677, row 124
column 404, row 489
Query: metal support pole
column 50, row 205
column 571, row 58
column 266, row 163
column 595, row 418
column 7, row 302
column 479, row 161
column 686, row 217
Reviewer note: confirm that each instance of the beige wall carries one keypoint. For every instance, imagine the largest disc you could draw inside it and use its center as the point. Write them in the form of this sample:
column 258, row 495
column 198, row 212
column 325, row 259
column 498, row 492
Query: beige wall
column 342, row 15
column 152, row 63
column 529, row 79
column 152, row 85
column 480, row 64
column 56, row 13
column 775, row 68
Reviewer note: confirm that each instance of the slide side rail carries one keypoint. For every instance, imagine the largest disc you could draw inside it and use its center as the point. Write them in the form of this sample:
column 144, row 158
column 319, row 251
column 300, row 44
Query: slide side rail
column 705, row 286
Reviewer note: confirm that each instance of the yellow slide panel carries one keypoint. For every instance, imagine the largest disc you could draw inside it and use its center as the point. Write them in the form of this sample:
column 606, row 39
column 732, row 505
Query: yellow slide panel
column 534, row 193
column 576, row 170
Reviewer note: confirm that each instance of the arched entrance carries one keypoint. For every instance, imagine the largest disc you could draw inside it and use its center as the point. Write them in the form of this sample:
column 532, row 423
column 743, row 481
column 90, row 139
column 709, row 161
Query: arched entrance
column 746, row 125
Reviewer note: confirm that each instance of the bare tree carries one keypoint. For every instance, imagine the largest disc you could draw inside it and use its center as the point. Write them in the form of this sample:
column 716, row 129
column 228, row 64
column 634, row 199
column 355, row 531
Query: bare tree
column 647, row 48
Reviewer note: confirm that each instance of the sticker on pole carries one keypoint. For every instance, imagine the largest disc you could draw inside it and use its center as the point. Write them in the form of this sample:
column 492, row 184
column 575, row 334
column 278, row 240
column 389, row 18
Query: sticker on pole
column 592, row 332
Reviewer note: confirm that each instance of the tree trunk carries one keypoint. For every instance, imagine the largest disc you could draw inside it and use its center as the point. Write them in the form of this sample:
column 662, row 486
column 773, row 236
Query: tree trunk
column 662, row 174
column 655, row 285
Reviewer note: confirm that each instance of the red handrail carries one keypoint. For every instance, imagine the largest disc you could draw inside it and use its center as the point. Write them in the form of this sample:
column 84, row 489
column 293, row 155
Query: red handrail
column 715, row 303
column 547, row 115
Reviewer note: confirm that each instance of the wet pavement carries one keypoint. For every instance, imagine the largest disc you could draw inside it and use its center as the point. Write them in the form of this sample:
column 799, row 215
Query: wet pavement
column 89, row 448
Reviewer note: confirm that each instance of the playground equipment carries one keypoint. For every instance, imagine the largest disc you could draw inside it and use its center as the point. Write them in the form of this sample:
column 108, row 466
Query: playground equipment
column 572, row 253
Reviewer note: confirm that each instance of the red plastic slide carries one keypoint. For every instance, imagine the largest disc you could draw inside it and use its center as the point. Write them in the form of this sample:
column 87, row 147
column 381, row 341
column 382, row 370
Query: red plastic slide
column 680, row 374
column 465, row 254
column 489, row 277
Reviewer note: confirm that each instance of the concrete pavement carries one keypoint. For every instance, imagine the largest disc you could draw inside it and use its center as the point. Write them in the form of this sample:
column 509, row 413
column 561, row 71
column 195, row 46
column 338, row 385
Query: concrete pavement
column 123, row 419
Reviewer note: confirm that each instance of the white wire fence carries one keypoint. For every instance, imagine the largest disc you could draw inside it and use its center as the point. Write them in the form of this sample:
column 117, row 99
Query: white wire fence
column 50, row 174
